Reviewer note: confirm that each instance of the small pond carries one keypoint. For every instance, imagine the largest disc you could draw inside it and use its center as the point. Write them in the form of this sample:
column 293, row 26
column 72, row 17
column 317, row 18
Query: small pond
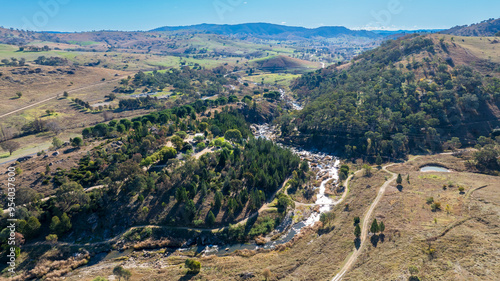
column 434, row 169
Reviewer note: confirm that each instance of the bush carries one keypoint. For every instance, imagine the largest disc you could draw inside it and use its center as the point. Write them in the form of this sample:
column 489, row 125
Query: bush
column 200, row 146
column 51, row 238
column 122, row 272
column 193, row 265
column 367, row 170
column 357, row 220
column 436, row 206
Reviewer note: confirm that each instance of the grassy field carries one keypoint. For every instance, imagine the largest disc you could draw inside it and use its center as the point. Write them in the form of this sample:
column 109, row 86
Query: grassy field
column 280, row 79
column 44, row 91
column 487, row 48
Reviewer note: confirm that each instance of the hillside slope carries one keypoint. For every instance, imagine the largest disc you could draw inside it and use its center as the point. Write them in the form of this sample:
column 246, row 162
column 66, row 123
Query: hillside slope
column 489, row 27
column 281, row 62
column 409, row 95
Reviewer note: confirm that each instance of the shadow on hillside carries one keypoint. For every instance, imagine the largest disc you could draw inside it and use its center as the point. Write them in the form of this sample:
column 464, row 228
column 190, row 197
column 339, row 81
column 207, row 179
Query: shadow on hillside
column 357, row 243
column 326, row 230
column 374, row 239
column 399, row 187
column 188, row 276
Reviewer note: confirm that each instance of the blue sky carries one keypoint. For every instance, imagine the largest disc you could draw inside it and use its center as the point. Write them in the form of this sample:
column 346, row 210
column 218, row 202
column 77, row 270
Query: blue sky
column 86, row 15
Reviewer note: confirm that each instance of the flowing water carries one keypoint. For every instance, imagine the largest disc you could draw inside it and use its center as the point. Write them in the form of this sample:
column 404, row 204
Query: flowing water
column 326, row 168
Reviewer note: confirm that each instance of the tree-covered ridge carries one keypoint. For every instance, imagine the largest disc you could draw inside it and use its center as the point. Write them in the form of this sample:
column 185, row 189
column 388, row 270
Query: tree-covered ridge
column 146, row 181
column 187, row 80
column 390, row 103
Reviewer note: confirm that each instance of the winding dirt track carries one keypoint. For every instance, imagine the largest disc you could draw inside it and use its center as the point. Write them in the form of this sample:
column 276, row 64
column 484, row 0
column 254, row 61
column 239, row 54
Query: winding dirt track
column 364, row 229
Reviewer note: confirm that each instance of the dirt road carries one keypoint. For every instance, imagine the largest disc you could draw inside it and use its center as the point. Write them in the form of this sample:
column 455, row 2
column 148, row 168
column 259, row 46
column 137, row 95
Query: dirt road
column 51, row 98
column 364, row 229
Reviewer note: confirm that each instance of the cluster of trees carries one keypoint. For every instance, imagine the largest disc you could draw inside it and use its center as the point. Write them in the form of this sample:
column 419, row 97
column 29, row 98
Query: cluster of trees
column 250, row 174
column 34, row 49
column 149, row 102
column 60, row 226
column 379, row 107
column 272, row 95
column 82, row 103
column 14, row 62
column 52, row 61
column 136, row 103
column 376, row 227
column 208, row 82
column 239, row 177
column 487, row 156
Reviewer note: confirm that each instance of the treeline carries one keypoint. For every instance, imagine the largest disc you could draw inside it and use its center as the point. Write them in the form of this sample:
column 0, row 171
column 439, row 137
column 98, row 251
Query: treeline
column 380, row 106
column 153, row 102
column 206, row 82
column 82, row 103
column 34, row 49
column 52, row 61
column 14, row 62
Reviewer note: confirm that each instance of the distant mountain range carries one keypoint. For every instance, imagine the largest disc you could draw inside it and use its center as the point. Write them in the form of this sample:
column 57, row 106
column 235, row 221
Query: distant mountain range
column 401, row 31
column 490, row 27
column 275, row 31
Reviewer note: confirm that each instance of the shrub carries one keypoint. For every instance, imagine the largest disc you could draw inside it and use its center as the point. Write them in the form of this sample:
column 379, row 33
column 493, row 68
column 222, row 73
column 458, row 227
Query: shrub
column 122, row 272
column 357, row 220
column 435, row 206
column 51, row 238
column 357, row 231
column 367, row 170
column 267, row 273
column 193, row 265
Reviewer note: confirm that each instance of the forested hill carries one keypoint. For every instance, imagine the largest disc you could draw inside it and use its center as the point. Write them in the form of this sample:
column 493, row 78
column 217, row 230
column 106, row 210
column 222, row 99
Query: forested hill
column 489, row 27
column 409, row 95
column 267, row 30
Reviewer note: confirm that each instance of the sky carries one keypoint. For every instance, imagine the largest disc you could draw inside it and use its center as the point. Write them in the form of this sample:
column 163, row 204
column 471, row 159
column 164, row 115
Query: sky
column 88, row 15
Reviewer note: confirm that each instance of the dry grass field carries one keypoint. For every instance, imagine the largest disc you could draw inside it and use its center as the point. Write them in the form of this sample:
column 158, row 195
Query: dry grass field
column 458, row 241
column 487, row 48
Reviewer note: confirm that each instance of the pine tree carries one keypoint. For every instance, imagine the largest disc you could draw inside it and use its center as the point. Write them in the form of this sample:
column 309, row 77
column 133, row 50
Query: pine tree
column 378, row 161
column 210, row 218
column 218, row 200
column 374, row 228
column 399, row 180
column 54, row 224
column 356, row 220
column 65, row 223
column 381, row 226
column 357, row 231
